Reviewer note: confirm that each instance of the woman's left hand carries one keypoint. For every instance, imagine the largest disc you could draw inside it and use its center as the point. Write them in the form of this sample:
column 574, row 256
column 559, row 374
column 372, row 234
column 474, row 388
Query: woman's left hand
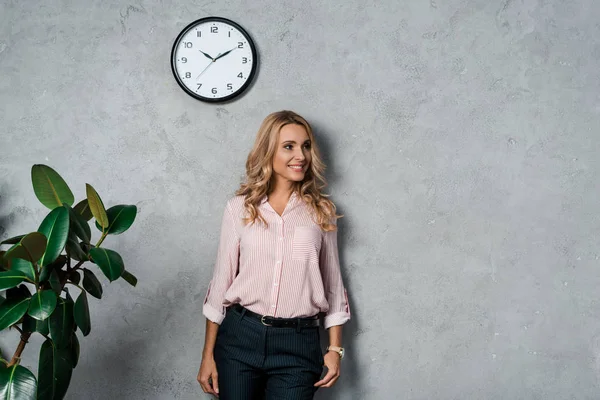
column 332, row 362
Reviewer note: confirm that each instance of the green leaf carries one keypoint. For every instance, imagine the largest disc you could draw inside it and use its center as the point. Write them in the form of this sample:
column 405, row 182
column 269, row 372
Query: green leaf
column 17, row 383
column 129, row 278
column 33, row 325
column 9, row 279
column 92, row 284
column 83, row 209
column 42, row 304
column 12, row 240
column 74, row 248
column 109, row 261
column 61, row 323
column 50, row 189
column 79, row 226
column 74, row 349
column 11, row 311
column 56, row 228
column 31, row 247
column 96, row 205
column 120, row 218
column 4, row 264
column 81, row 312
column 18, row 293
column 75, row 277
column 55, row 282
column 54, row 371
column 24, row 267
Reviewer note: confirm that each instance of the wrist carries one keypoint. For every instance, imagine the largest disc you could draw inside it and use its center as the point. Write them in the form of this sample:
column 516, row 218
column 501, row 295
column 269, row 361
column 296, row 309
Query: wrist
column 336, row 349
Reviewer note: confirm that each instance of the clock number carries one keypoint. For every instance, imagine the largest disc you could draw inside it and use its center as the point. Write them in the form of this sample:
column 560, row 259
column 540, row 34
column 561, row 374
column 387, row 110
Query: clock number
column 229, row 86
column 199, row 86
column 240, row 75
column 184, row 59
column 244, row 60
column 198, row 33
column 229, row 34
column 240, row 45
column 188, row 74
column 214, row 90
column 187, row 45
column 214, row 29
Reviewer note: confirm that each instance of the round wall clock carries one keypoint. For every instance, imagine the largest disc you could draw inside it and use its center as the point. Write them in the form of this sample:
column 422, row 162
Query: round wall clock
column 214, row 59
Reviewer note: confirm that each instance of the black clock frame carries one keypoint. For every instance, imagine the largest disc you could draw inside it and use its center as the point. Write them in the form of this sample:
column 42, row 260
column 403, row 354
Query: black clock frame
column 243, row 88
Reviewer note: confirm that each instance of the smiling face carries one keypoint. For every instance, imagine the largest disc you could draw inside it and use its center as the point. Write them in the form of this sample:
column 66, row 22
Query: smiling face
column 292, row 157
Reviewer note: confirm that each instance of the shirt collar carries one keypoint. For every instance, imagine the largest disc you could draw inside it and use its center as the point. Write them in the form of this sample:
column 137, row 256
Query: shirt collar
column 291, row 202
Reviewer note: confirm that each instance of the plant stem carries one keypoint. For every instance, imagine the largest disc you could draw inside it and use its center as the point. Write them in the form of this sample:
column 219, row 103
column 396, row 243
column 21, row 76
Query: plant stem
column 101, row 239
column 76, row 267
column 17, row 356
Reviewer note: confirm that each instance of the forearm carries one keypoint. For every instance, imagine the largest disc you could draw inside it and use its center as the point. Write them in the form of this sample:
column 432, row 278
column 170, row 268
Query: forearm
column 335, row 336
column 210, row 337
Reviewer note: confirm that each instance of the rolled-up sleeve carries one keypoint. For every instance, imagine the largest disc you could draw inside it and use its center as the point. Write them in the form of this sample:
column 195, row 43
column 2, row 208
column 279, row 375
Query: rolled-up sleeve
column 225, row 269
column 335, row 292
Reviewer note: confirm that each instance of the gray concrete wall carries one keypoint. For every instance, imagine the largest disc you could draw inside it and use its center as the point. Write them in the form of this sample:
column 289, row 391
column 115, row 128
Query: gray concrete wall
column 462, row 140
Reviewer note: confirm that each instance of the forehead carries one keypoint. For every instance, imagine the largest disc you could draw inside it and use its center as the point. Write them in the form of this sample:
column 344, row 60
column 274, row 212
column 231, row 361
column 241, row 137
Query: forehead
column 293, row 132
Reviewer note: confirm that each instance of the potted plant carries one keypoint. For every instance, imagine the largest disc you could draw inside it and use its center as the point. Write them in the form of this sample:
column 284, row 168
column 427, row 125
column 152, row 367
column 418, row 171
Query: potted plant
column 39, row 269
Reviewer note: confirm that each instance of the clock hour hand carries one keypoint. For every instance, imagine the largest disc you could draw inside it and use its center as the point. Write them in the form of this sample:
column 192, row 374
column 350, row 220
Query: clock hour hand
column 207, row 55
column 224, row 54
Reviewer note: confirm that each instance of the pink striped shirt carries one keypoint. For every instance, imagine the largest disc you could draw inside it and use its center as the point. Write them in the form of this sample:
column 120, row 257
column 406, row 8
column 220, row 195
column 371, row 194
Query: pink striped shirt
column 289, row 269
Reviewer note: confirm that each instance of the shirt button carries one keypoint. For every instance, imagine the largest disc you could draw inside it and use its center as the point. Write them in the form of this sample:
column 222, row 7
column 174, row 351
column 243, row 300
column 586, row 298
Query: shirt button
column 276, row 284
column 280, row 239
column 273, row 306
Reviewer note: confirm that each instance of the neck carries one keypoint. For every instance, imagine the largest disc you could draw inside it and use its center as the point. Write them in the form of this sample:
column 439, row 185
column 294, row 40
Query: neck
column 281, row 189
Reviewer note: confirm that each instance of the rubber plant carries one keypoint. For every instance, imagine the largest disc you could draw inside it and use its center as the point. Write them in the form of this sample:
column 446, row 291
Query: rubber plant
column 38, row 271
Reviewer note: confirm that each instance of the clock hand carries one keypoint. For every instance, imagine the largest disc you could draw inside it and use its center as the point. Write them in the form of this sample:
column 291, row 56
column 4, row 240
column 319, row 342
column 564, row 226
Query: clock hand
column 224, row 54
column 209, row 64
column 207, row 55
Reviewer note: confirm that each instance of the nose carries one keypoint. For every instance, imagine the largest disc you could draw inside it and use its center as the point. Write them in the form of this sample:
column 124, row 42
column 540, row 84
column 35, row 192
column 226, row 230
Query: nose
column 300, row 155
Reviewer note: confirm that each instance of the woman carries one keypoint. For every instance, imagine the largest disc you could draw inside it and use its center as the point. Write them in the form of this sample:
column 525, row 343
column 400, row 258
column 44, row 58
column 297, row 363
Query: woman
column 277, row 268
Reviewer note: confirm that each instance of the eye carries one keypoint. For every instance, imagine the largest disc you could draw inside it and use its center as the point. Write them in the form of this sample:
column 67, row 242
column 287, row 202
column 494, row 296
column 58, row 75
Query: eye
column 288, row 147
column 307, row 145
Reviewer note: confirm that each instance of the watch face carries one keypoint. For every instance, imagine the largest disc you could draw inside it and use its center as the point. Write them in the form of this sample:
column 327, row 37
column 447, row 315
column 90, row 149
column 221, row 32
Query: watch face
column 213, row 59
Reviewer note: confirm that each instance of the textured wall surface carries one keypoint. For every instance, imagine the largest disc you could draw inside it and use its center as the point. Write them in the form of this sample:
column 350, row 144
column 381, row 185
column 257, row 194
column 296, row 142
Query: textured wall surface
column 461, row 138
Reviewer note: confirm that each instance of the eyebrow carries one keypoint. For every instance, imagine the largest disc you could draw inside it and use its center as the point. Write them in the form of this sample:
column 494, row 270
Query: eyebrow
column 294, row 142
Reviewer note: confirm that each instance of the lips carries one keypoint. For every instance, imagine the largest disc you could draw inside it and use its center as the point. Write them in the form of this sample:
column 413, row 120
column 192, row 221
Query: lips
column 297, row 167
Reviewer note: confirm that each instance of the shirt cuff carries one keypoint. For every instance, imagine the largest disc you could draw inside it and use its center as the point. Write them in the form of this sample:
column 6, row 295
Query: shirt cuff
column 339, row 318
column 212, row 314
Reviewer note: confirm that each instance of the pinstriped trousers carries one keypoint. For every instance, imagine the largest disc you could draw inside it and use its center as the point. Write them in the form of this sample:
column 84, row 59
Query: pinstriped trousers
column 257, row 362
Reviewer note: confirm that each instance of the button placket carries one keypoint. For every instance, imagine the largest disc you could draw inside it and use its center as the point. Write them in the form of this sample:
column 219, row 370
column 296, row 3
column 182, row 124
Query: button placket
column 278, row 267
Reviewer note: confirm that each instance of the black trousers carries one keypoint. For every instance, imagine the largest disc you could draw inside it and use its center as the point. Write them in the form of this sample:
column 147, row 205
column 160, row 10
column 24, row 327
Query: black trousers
column 257, row 362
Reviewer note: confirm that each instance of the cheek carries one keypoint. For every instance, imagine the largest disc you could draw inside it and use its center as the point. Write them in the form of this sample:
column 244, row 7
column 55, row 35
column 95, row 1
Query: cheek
column 279, row 162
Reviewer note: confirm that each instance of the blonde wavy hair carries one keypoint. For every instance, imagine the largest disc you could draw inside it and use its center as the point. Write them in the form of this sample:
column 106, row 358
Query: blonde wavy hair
column 259, row 173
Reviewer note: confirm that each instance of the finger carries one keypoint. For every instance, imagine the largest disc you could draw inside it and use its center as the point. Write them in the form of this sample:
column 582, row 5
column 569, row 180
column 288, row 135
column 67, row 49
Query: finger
column 206, row 385
column 330, row 375
column 215, row 383
column 331, row 382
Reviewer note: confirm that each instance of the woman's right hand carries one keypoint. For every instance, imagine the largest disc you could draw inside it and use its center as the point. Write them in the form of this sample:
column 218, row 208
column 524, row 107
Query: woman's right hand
column 208, row 377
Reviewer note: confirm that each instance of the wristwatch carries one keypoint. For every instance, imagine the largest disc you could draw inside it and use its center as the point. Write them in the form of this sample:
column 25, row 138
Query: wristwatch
column 339, row 350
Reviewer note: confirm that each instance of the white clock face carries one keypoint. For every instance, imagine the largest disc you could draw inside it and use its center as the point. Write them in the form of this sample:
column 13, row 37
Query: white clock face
column 213, row 59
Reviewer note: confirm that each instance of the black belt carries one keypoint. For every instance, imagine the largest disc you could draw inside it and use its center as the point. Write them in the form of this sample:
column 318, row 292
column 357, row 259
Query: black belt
column 297, row 323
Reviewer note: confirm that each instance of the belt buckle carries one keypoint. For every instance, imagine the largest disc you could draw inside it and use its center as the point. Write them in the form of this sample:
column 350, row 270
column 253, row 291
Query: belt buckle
column 262, row 320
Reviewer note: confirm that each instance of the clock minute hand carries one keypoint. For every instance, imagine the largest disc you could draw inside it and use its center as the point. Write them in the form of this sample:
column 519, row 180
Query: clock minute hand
column 224, row 54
